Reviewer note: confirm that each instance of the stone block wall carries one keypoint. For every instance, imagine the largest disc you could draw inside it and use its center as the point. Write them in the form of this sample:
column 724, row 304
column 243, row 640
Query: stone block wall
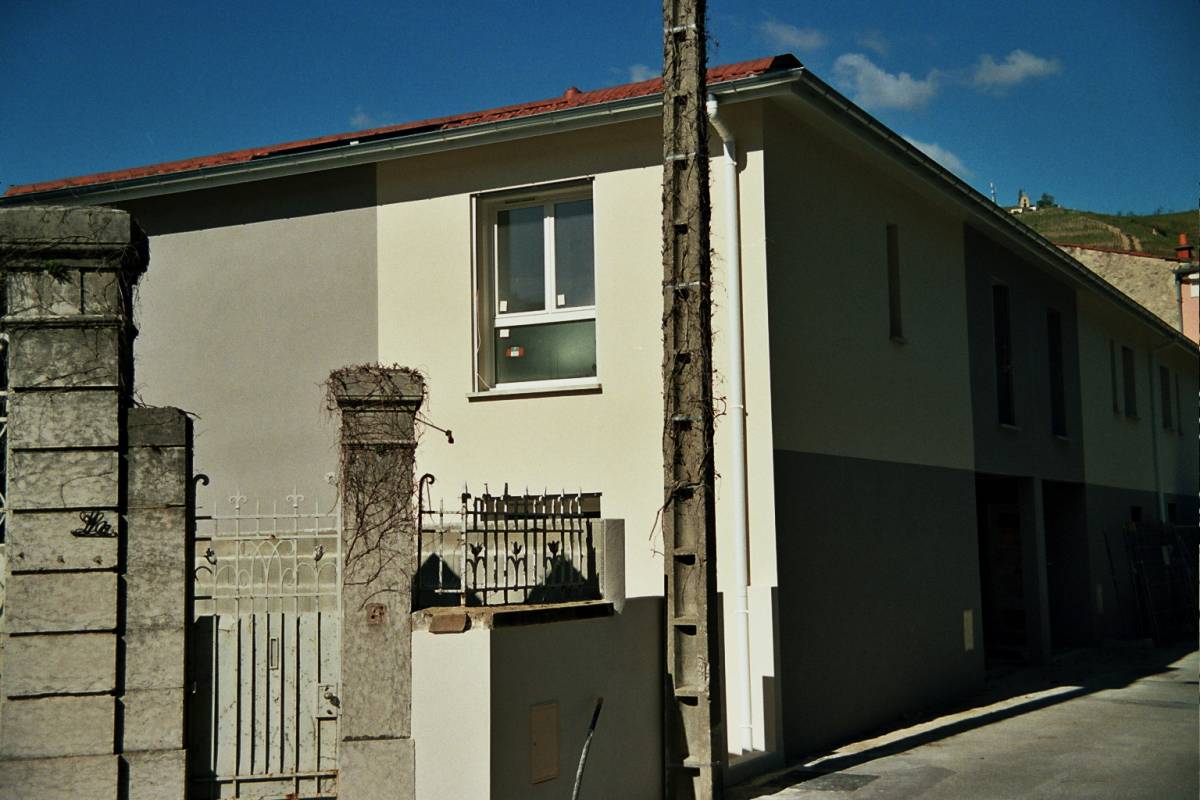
column 97, row 523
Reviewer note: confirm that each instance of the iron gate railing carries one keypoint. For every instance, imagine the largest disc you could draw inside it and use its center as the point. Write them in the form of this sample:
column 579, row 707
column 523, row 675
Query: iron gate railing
column 506, row 549
column 265, row 651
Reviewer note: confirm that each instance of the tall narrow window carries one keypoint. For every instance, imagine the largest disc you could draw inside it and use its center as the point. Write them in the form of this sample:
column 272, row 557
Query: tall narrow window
column 1112, row 372
column 1058, row 389
column 1129, row 371
column 1002, row 331
column 1164, row 391
column 1178, row 408
column 895, row 320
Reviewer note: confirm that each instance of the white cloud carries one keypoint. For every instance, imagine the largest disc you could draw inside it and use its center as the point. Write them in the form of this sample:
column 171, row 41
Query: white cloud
column 874, row 40
column 640, row 72
column 1017, row 66
column 942, row 156
column 361, row 119
column 782, row 36
column 873, row 87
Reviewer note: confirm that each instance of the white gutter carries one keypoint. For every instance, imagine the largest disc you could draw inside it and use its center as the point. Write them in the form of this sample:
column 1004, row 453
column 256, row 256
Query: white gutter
column 737, row 401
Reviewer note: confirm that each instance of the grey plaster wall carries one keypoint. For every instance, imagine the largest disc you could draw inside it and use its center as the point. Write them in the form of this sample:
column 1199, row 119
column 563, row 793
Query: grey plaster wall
column 572, row 663
column 877, row 563
column 1029, row 447
column 258, row 291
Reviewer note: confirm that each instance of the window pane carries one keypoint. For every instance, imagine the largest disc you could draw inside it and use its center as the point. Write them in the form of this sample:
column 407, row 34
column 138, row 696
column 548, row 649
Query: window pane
column 520, row 260
column 546, row 352
column 574, row 269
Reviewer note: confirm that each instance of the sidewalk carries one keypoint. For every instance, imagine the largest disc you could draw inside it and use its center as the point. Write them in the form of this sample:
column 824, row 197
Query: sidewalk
column 1101, row 723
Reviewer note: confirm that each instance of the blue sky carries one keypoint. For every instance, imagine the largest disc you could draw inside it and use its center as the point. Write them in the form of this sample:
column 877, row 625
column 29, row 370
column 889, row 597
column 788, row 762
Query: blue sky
column 1093, row 102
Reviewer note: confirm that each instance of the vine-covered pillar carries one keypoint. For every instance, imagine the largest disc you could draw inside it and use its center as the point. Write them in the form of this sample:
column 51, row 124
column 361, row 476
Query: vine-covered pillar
column 378, row 408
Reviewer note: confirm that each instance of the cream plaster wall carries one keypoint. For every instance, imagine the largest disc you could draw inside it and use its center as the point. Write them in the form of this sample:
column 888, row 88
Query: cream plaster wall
column 452, row 713
column 1119, row 451
column 840, row 385
column 240, row 325
column 610, row 441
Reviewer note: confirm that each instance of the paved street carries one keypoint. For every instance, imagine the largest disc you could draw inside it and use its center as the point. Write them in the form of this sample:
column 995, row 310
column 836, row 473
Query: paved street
column 1116, row 723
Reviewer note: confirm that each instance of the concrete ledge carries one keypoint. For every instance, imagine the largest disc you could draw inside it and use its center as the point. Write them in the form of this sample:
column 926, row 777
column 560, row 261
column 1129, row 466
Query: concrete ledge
column 376, row 386
column 48, row 727
column 376, row 769
column 91, row 777
column 54, row 602
column 85, row 662
column 66, row 225
column 511, row 616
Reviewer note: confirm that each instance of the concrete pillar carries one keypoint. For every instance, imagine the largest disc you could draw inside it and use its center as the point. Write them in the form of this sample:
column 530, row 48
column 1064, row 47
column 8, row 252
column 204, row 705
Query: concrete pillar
column 378, row 407
column 68, row 276
column 158, row 595
column 1033, row 569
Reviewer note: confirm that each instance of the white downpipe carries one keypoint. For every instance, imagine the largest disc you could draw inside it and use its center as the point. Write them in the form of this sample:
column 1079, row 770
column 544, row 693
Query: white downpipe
column 737, row 403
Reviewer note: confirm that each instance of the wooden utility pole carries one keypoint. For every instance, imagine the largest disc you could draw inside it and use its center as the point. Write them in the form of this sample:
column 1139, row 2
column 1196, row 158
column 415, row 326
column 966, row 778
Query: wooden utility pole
column 694, row 729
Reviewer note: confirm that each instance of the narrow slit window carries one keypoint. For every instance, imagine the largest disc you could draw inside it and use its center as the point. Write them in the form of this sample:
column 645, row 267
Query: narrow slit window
column 1178, row 408
column 1112, row 371
column 1002, row 331
column 895, row 318
column 1058, row 389
column 1164, row 385
column 1129, row 372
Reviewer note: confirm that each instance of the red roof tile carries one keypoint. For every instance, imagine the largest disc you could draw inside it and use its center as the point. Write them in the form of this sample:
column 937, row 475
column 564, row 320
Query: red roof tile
column 571, row 99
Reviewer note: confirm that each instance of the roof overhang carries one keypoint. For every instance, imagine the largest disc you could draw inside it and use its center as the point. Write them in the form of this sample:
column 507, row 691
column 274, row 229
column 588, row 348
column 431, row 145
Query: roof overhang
column 981, row 211
column 404, row 145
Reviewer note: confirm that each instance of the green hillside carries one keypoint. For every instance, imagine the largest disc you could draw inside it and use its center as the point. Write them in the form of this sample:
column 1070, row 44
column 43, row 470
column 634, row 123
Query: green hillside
column 1149, row 233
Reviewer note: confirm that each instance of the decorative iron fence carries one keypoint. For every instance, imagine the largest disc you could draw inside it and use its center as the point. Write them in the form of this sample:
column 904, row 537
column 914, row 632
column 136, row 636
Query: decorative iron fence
column 265, row 650
column 506, row 549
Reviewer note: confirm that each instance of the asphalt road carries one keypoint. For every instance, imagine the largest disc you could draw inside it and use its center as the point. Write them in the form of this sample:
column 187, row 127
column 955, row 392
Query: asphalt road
column 1105, row 723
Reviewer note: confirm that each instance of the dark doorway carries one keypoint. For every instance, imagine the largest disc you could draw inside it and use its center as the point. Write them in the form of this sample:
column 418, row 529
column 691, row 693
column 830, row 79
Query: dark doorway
column 1001, row 576
column 1068, row 572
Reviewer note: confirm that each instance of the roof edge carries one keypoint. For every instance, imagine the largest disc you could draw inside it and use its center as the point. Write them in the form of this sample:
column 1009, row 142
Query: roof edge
column 996, row 217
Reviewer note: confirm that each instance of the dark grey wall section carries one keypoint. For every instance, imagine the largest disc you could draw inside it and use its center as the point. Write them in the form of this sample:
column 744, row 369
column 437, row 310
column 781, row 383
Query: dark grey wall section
column 1108, row 511
column 243, row 203
column 877, row 562
column 1068, row 565
column 1030, row 447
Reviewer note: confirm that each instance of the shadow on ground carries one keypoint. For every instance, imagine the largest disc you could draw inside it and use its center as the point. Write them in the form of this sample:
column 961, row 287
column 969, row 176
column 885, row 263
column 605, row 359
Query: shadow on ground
column 1076, row 673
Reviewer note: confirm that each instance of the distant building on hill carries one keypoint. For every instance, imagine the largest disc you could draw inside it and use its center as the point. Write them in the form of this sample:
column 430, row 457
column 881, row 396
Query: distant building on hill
column 1023, row 203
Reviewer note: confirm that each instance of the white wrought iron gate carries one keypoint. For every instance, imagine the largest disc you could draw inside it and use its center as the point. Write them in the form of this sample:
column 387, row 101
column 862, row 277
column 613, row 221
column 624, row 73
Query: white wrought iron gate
column 265, row 652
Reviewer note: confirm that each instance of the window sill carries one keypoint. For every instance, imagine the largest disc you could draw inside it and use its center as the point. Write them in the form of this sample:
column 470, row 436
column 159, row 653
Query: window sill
column 535, row 391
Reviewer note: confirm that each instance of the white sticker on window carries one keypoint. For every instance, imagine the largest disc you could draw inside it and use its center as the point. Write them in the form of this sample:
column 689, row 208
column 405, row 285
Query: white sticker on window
column 504, row 333
column 504, row 305
column 562, row 299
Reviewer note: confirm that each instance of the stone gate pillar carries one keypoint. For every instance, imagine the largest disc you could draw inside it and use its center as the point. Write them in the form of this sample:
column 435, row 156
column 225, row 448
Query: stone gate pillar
column 80, row 605
column 378, row 407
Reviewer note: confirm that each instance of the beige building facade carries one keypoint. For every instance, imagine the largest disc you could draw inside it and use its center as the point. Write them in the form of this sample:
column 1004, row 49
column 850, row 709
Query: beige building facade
column 877, row 450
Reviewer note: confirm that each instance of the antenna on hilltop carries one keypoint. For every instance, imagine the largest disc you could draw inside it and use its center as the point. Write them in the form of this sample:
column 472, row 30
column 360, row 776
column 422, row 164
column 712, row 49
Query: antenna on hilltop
column 992, row 186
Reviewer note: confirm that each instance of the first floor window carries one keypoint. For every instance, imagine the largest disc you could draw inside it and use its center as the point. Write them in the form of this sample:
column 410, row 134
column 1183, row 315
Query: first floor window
column 536, row 288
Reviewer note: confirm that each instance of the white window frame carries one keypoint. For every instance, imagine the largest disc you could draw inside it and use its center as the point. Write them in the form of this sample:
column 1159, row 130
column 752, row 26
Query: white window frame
column 488, row 316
